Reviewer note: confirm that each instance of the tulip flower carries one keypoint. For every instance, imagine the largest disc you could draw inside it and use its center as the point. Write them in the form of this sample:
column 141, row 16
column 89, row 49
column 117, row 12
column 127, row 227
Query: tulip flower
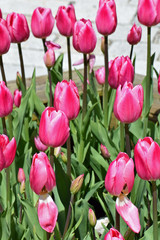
column 134, row 35
column 39, row 145
column 17, row 97
column 6, row 100
column 149, row 12
column 42, row 176
column 54, row 127
column 18, row 27
column 5, row 38
column 21, row 175
column 66, row 98
column 84, row 37
column 113, row 234
column 47, row 213
column 106, row 19
column 42, row 22
column 100, row 75
column 121, row 70
column 49, row 58
column 128, row 103
column 7, row 151
column 65, row 20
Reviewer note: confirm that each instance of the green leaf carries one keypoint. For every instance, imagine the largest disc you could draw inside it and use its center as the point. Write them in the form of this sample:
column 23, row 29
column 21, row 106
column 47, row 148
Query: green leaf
column 93, row 190
column 4, row 230
column 148, row 235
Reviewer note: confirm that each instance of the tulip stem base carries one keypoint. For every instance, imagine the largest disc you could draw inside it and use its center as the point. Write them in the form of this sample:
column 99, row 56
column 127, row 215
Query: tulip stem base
column 131, row 52
column 117, row 221
column 121, row 137
column 155, row 223
column 94, row 236
column 84, row 108
column 69, row 58
column 44, row 45
column 8, row 194
column 128, row 148
column 69, row 156
column 51, row 156
column 2, row 70
column 4, row 125
column 22, row 64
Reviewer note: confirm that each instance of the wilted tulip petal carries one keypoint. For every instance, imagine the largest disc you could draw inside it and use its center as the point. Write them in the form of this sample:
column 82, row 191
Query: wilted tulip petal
column 39, row 145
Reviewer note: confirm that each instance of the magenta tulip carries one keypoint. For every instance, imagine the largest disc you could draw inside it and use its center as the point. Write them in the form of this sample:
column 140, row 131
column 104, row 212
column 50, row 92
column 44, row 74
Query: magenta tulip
column 21, row 175
column 7, row 151
column 113, row 234
column 66, row 98
column 149, row 12
column 134, row 35
column 39, row 145
column 42, row 22
column 121, row 70
column 17, row 97
column 49, row 58
column 6, row 100
column 42, row 176
column 106, row 19
column 5, row 39
column 128, row 103
column 65, row 20
column 18, row 27
column 100, row 75
column 84, row 37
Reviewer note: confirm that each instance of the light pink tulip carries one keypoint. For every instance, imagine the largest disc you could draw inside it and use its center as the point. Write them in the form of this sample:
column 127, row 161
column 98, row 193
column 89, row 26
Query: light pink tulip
column 120, row 175
column 42, row 22
column 113, row 234
column 100, row 75
column 17, row 97
column 65, row 20
column 84, row 37
column 7, row 151
column 6, row 100
column 5, row 39
column 39, row 145
column 49, row 58
column 42, row 176
column 128, row 103
column 66, row 98
column 47, row 213
column 21, row 175
column 106, row 19
column 134, row 35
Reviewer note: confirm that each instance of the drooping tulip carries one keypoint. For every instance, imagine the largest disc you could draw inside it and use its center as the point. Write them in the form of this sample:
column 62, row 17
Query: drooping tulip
column 5, row 39
column 39, row 145
column 17, row 97
column 113, row 234
column 66, row 98
column 100, row 75
column 134, row 35
column 6, row 100
column 128, row 103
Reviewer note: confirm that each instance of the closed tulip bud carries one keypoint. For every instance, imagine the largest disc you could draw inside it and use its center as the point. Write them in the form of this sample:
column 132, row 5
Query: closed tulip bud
column 42, row 177
column 6, row 100
column 42, row 22
column 65, row 20
column 134, row 35
column 17, row 97
column 128, row 103
column 121, row 70
column 21, row 175
column 100, row 75
column 113, row 234
column 120, row 175
column 5, row 38
column 7, row 151
column 64, row 157
column 105, row 152
column 54, row 127
column 66, row 98
column 77, row 184
column 49, row 58
column 159, row 84
column 84, row 37
column 57, row 151
column 106, row 14
column 39, row 145
column 18, row 27
column 149, row 12
column 92, row 217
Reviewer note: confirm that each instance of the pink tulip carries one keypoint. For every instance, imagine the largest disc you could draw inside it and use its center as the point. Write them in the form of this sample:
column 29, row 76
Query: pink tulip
column 84, row 37
column 6, row 100
column 54, row 127
column 113, row 234
column 65, row 20
column 106, row 19
column 147, row 159
column 7, row 151
column 39, row 145
column 5, row 39
column 128, row 103
column 21, row 175
column 18, row 27
column 66, row 98
column 149, row 12
column 42, row 22
column 159, row 84
column 100, row 75
column 120, row 175
column 47, row 213
column 134, row 35
column 17, row 97
column 42, row 176
column 121, row 70
column 49, row 58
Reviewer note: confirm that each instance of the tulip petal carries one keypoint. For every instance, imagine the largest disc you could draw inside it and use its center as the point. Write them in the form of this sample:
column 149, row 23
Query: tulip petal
column 10, row 152
column 153, row 161
column 2, row 161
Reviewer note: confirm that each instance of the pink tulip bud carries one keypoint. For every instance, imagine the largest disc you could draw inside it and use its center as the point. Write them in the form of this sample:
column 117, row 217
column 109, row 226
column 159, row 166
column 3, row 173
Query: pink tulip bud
column 66, row 98
column 54, row 127
column 47, row 213
column 21, row 175
column 57, row 151
column 42, row 22
column 5, row 38
column 42, row 176
column 39, row 145
column 18, row 27
column 147, row 159
column 159, row 84
column 121, row 70
column 76, row 184
column 120, row 175
column 106, row 14
column 7, row 151
column 0, row 13
column 84, row 37
column 149, row 12
column 65, row 20
column 113, row 234
column 100, row 75
column 104, row 152
column 92, row 217
column 134, row 35
column 128, row 103
column 17, row 97
column 6, row 100
column 49, row 58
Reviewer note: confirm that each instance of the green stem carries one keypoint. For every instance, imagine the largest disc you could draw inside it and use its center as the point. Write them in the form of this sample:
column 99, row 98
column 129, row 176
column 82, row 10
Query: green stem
column 117, row 221
column 94, row 236
column 2, row 70
column 69, row 156
column 69, row 58
column 50, row 88
column 44, row 45
column 4, row 126
column 8, row 205
column 128, row 148
column 121, row 137
column 22, row 64
column 155, row 223
column 51, row 156
column 131, row 52
column 84, row 108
